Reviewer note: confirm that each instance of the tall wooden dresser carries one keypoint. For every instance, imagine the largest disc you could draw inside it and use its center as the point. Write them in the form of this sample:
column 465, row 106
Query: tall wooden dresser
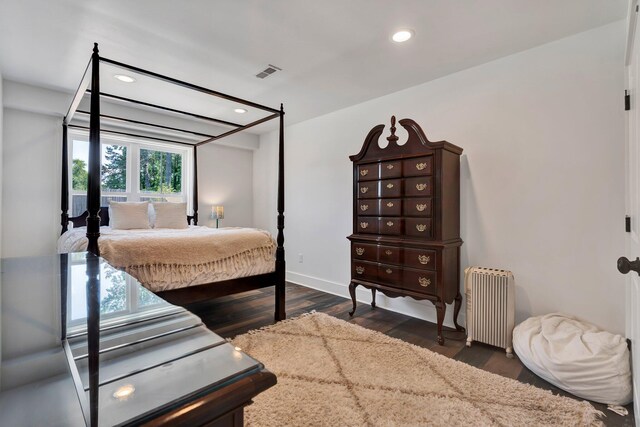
column 406, row 219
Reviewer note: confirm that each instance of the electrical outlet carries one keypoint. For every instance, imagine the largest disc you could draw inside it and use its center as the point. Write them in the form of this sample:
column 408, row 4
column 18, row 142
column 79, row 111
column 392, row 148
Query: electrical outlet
column 300, row 258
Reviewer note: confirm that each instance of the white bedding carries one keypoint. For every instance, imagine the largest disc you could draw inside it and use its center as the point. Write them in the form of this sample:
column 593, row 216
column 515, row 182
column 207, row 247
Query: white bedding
column 167, row 264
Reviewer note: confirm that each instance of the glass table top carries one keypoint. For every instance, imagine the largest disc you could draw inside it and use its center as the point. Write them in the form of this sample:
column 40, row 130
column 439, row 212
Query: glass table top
column 153, row 356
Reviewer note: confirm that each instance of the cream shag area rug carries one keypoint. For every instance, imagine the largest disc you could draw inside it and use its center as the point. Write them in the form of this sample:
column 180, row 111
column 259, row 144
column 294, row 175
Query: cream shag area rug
column 333, row 373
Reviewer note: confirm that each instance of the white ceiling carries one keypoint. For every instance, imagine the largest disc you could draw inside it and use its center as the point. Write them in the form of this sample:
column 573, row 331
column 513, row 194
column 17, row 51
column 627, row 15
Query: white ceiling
column 334, row 53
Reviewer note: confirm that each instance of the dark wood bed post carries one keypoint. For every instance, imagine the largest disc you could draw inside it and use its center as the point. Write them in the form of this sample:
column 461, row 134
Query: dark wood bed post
column 93, row 335
column 195, row 185
column 93, row 185
column 64, row 197
column 280, row 261
column 93, row 233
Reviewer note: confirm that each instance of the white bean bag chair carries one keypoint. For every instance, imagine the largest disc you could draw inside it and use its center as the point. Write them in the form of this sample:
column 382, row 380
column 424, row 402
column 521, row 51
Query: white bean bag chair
column 576, row 356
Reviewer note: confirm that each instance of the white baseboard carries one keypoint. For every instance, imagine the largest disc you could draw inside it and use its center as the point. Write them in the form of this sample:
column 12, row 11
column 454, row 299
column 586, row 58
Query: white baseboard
column 424, row 310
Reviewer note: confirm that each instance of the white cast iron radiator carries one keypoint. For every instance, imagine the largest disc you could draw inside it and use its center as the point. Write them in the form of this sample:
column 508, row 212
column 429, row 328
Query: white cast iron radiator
column 490, row 306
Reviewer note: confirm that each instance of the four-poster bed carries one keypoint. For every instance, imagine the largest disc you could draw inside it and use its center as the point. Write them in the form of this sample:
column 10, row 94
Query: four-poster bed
column 97, row 215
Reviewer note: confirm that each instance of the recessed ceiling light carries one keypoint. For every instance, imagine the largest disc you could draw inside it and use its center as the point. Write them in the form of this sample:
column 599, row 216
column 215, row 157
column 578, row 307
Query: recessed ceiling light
column 402, row 36
column 123, row 78
column 240, row 110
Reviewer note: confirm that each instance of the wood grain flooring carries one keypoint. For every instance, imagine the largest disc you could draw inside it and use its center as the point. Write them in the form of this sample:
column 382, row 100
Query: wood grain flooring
column 237, row 314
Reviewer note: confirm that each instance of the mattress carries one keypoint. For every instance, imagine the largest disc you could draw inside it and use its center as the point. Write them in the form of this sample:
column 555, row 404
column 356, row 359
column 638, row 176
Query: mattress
column 166, row 259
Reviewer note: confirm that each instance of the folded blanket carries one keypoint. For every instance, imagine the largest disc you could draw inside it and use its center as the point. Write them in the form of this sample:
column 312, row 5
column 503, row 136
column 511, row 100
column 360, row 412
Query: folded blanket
column 164, row 259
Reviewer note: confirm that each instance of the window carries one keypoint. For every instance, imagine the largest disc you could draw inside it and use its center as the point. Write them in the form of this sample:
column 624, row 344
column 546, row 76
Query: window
column 160, row 172
column 131, row 171
column 122, row 299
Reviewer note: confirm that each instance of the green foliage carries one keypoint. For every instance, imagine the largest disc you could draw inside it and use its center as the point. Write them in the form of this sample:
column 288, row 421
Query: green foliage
column 146, row 298
column 160, row 172
column 116, row 298
column 114, row 169
column 79, row 175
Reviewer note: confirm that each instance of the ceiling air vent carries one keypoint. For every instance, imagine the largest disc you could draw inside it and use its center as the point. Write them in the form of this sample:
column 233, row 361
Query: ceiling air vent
column 268, row 71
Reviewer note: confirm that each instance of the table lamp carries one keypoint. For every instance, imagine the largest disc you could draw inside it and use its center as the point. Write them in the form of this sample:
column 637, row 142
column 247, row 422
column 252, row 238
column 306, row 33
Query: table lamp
column 217, row 213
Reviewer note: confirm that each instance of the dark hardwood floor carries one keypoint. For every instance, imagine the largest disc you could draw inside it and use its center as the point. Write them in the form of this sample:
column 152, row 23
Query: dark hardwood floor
column 237, row 314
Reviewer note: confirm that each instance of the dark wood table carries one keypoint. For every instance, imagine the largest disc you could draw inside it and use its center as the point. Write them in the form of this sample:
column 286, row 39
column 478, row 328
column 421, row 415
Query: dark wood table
column 158, row 363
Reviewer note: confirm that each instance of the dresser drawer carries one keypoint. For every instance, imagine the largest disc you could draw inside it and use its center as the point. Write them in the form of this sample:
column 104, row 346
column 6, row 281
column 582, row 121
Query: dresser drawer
column 364, row 270
column 418, row 227
column 417, row 207
column 419, row 258
column 391, row 225
column 390, row 254
column 368, row 189
column 363, row 251
column 419, row 186
column 391, row 207
column 368, row 172
column 391, row 169
column 391, row 188
column 390, row 275
column 417, row 166
column 419, row 281
column 367, row 224
column 368, row 207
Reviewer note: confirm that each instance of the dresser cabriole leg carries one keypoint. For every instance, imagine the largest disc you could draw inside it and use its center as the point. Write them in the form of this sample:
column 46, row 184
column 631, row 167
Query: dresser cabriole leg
column 373, row 298
column 440, row 309
column 456, row 311
column 352, row 292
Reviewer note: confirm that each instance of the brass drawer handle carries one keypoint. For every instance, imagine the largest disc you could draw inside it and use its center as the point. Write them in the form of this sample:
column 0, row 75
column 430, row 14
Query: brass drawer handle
column 359, row 270
column 360, row 251
column 364, row 189
column 390, row 204
column 421, row 227
column 389, row 271
column 364, row 224
column 388, row 252
column 424, row 282
column 421, row 166
column 389, row 167
column 424, row 259
column 364, row 172
column 364, row 207
column 421, row 207
column 390, row 223
column 389, row 185
column 419, row 187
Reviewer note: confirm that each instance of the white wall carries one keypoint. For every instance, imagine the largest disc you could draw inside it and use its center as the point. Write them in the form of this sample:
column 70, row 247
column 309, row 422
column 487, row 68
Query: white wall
column 1, row 135
column 225, row 177
column 30, row 183
column 31, row 175
column 542, row 176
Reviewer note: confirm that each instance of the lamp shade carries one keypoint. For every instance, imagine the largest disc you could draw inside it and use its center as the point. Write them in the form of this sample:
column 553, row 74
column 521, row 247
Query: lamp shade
column 217, row 212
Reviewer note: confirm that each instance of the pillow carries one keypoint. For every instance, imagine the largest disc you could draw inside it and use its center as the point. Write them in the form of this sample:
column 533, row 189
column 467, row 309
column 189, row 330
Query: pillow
column 170, row 215
column 129, row 215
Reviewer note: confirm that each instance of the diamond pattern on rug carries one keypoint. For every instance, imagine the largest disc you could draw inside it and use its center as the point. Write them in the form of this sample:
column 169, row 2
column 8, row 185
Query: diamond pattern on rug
column 333, row 373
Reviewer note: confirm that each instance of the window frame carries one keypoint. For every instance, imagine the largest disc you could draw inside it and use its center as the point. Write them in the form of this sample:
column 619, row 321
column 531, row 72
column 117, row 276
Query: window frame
column 133, row 310
column 133, row 146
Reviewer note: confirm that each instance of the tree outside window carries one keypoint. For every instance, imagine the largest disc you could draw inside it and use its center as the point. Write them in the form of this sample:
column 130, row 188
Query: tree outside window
column 160, row 172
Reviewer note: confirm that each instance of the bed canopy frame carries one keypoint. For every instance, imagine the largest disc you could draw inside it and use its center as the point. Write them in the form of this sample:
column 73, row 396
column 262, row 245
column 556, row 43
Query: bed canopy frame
column 95, row 214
